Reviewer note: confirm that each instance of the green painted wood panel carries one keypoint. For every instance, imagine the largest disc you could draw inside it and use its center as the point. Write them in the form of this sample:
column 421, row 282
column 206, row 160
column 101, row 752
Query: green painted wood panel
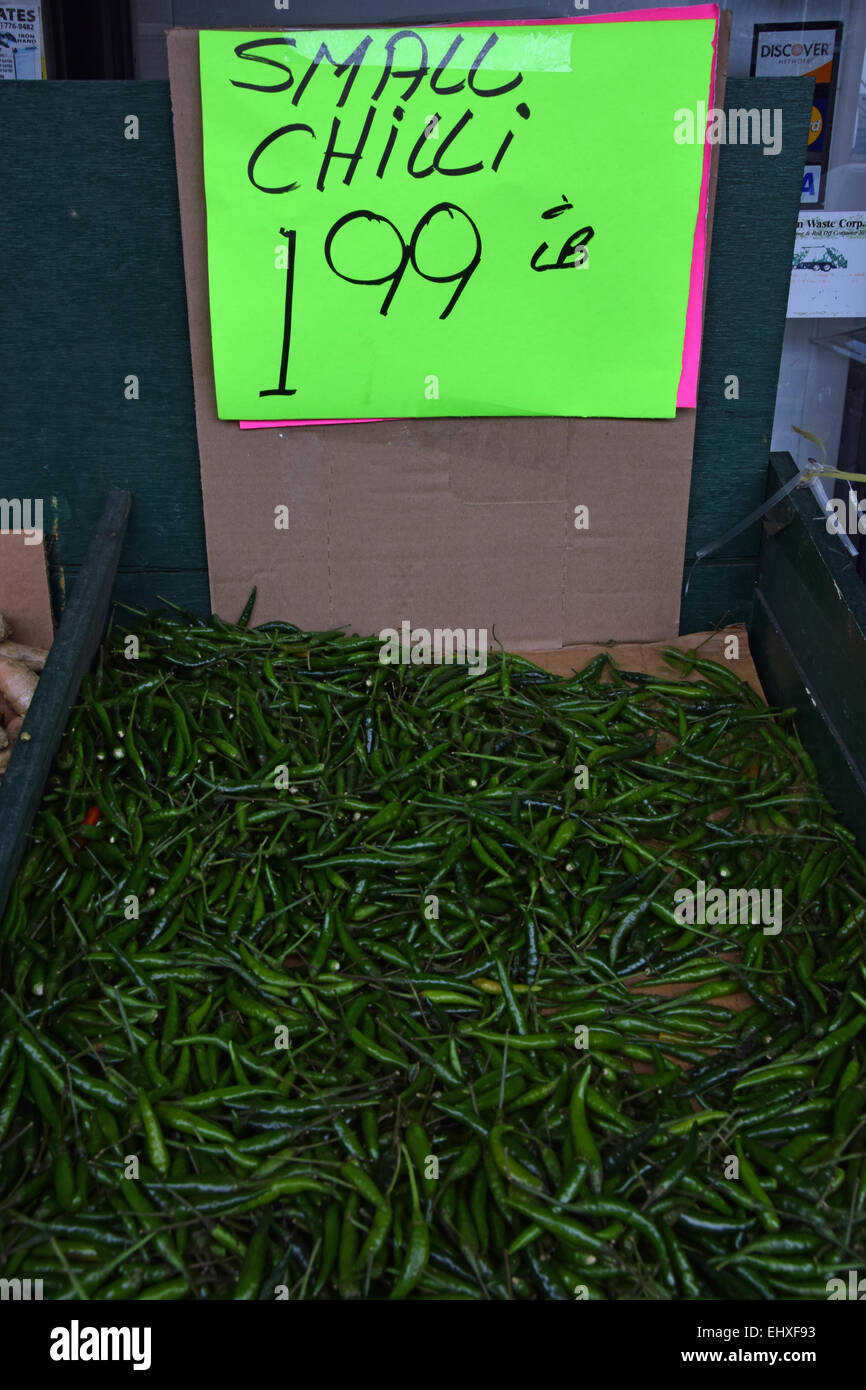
column 754, row 224
column 92, row 220
column 719, row 592
column 144, row 589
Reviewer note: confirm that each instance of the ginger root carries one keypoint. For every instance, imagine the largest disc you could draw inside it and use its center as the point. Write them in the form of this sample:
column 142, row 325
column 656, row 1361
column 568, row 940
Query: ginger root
column 34, row 657
column 17, row 684
column 19, row 668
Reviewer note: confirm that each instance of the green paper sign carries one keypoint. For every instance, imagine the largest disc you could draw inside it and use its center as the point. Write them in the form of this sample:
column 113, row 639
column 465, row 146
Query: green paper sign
column 451, row 221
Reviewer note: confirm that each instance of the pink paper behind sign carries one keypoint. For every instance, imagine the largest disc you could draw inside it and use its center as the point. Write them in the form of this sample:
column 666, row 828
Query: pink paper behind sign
column 687, row 392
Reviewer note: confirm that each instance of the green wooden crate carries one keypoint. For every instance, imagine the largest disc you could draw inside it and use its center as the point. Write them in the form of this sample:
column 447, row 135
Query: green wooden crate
column 807, row 633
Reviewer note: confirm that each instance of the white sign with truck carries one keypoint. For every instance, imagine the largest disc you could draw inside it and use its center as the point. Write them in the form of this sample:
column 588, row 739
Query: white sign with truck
column 828, row 274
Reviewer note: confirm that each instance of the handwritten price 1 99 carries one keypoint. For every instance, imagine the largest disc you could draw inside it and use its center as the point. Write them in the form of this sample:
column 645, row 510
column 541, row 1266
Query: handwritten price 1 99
column 406, row 254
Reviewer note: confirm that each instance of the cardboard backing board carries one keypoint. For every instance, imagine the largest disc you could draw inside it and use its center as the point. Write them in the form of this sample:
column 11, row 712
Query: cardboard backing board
column 24, row 596
column 448, row 523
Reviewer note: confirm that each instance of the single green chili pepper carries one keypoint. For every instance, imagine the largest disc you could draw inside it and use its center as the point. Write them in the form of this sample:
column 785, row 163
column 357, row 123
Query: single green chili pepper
column 418, row 1248
column 252, row 1270
column 156, row 1150
column 11, row 1097
column 585, row 1146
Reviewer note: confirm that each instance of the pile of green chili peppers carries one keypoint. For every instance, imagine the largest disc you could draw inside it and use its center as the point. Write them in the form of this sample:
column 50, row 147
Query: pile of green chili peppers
column 328, row 978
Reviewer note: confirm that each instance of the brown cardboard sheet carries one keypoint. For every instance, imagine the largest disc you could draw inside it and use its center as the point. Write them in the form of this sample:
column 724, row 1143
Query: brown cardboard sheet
column 25, row 601
column 447, row 523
